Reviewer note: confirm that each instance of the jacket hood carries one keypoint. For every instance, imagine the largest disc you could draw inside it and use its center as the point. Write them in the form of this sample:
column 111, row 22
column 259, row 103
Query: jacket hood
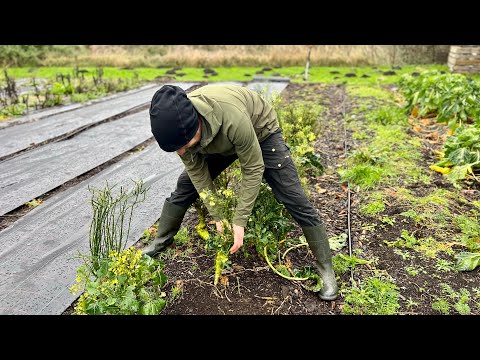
column 209, row 109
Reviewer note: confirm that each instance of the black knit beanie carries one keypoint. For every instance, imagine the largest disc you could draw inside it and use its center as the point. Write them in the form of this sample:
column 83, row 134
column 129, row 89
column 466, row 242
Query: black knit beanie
column 173, row 118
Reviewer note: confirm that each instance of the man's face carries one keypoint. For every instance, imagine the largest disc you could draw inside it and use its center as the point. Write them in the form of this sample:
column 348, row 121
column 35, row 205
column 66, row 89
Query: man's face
column 191, row 144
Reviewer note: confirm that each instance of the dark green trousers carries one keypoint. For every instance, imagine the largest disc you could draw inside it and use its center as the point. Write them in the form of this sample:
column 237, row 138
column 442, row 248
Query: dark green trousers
column 280, row 173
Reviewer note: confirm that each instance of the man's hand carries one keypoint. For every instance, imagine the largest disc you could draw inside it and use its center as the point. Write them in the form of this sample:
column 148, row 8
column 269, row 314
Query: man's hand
column 238, row 233
column 219, row 226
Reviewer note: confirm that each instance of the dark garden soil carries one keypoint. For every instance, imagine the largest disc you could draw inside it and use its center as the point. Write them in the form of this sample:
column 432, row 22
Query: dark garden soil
column 250, row 287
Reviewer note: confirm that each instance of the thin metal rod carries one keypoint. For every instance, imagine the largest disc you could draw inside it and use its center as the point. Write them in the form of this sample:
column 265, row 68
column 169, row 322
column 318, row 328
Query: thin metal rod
column 349, row 233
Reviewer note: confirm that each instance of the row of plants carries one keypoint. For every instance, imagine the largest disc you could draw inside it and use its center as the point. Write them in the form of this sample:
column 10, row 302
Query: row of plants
column 79, row 85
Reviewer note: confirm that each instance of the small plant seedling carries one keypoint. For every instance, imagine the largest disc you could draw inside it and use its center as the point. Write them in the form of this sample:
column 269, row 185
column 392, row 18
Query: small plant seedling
column 34, row 203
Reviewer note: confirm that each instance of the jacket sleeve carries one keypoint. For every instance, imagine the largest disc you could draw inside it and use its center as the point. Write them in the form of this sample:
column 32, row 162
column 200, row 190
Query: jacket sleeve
column 197, row 170
column 247, row 147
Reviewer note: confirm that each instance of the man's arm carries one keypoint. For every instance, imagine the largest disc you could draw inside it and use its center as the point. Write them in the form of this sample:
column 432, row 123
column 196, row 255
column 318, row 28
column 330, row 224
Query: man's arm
column 247, row 147
column 197, row 169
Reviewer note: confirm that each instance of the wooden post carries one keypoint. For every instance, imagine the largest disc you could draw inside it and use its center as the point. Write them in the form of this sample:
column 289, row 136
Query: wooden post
column 305, row 77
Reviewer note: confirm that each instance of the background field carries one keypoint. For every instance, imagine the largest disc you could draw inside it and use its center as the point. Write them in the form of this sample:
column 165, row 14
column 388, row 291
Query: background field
column 220, row 55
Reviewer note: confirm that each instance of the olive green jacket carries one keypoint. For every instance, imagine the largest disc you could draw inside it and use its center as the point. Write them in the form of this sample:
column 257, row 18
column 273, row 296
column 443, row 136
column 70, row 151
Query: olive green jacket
column 235, row 120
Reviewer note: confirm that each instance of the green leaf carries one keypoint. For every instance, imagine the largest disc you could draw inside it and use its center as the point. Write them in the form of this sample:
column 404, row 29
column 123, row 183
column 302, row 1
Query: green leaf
column 459, row 173
column 159, row 278
column 111, row 301
column 143, row 295
column 464, row 156
column 91, row 288
column 338, row 242
column 459, row 156
column 314, row 283
column 95, row 308
column 315, row 161
column 129, row 301
column 466, row 261
column 153, row 307
column 444, row 163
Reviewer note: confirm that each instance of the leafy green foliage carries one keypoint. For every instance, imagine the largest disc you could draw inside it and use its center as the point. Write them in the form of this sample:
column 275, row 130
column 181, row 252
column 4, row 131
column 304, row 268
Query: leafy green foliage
column 372, row 208
column 458, row 300
column 414, row 271
column 405, row 240
column 387, row 220
column 453, row 98
column 116, row 280
column 182, row 236
column 442, row 306
column 372, row 296
column 444, row 265
column 62, row 88
column 364, row 175
column 299, row 125
column 343, row 263
column 389, row 155
column 125, row 283
column 469, row 225
column 461, row 154
column 466, row 261
column 338, row 242
column 269, row 223
column 224, row 200
column 21, row 55
column 427, row 246
column 314, row 282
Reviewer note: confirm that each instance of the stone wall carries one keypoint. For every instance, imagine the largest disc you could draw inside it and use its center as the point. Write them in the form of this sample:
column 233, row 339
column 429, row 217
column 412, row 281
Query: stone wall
column 464, row 59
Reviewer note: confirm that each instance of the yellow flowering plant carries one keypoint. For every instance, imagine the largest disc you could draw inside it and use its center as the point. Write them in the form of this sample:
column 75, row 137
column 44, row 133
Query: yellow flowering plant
column 298, row 125
column 115, row 280
column 126, row 283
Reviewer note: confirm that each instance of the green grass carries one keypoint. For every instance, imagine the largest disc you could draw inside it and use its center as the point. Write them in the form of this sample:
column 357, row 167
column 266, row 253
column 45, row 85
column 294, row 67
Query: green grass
column 372, row 208
column 295, row 73
column 390, row 154
column 387, row 115
column 369, row 91
column 469, row 225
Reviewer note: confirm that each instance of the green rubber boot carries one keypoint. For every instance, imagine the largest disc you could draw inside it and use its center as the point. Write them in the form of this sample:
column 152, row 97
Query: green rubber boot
column 318, row 241
column 168, row 226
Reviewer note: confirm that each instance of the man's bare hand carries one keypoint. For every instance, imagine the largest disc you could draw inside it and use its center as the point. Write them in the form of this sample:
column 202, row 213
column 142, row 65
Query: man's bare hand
column 238, row 234
column 219, row 225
